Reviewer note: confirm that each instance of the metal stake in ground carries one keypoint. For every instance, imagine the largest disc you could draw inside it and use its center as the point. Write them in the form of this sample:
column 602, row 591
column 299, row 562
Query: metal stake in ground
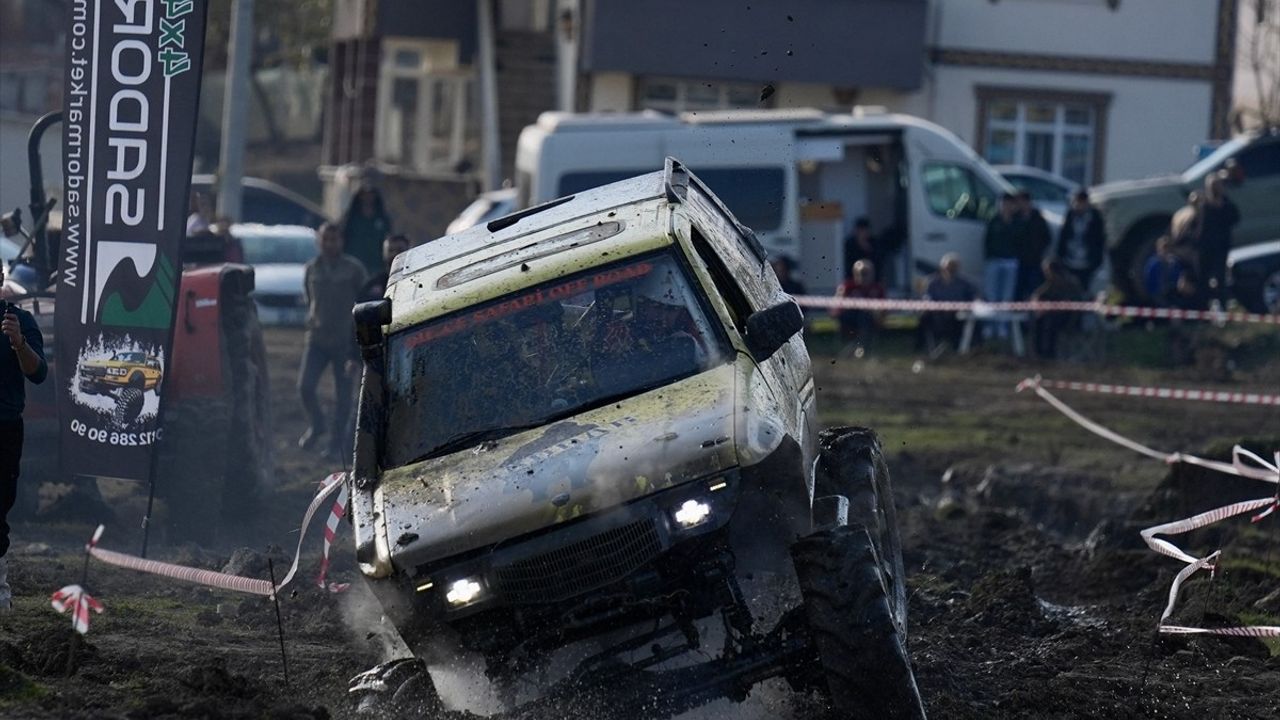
column 275, row 598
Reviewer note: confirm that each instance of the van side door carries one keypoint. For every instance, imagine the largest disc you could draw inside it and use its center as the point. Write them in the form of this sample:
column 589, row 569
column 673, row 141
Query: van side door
column 950, row 205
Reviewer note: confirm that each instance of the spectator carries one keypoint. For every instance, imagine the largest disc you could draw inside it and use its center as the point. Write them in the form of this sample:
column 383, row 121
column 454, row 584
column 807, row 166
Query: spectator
column 783, row 266
column 364, row 226
column 1162, row 273
column 1034, row 239
column 861, row 245
column 1000, row 256
column 858, row 326
column 201, row 213
column 1059, row 285
column 332, row 283
column 1184, row 231
column 376, row 286
column 1082, row 240
column 946, row 285
column 1218, row 215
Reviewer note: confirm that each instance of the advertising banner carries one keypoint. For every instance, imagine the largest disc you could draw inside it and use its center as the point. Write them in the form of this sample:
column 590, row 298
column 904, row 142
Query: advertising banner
column 129, row 115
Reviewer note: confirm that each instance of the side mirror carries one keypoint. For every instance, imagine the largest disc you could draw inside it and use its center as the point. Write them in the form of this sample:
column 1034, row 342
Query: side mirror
column 771, row 328
column 370, row 317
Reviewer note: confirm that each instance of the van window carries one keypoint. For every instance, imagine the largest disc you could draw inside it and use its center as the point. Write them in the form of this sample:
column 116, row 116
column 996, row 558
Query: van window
column 953, row 191
column 755, row 195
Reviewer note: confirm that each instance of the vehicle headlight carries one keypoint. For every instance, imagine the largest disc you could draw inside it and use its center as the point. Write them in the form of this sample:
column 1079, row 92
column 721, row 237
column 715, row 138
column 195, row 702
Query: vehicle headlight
column 692, row 513
column 464, row 592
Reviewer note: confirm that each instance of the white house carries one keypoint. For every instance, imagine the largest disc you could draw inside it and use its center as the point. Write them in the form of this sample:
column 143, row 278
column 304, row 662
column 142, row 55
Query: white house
column 1090, row 89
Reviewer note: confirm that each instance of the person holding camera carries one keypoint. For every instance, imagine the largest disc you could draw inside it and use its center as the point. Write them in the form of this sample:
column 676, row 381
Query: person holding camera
column 22, row 360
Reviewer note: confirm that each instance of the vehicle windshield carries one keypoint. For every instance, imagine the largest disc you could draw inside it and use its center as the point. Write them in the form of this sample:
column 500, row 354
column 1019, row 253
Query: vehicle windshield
column 292, row 249
column 545, row 352
column 1214, row 159
column 131, row 357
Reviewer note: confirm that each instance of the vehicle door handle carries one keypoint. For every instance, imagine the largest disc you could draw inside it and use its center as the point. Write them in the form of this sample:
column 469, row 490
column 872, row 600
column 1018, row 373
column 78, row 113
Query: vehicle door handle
column 936, row 237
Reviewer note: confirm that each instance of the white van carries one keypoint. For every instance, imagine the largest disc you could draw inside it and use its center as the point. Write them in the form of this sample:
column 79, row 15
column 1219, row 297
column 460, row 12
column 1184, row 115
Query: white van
column 799, row 178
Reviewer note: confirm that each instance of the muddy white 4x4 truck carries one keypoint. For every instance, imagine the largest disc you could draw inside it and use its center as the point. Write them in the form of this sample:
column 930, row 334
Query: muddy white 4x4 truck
column 587, row 464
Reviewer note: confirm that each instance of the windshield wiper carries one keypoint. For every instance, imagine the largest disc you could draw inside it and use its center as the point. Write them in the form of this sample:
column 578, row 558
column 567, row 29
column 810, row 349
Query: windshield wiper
column 469, row 438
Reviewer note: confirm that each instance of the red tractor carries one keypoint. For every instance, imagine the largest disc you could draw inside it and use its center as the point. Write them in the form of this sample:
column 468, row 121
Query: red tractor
column 216, row 449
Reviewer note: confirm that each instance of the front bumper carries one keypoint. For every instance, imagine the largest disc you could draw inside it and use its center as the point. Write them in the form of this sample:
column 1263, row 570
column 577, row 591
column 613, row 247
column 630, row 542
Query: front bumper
column 578, row 558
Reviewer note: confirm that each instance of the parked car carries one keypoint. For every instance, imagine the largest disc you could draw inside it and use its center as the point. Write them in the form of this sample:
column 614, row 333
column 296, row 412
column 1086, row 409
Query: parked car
column 265, row 202
column 278, row 254
column 1254, row 275
column 490, row 205
column 1048, row 191
column 1138, row 211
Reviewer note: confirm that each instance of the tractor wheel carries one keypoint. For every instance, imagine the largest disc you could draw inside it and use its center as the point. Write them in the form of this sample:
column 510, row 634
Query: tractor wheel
column 851, row 463
column 136, row 380
column 861, row 654
column 249, row 469
column 128, row 407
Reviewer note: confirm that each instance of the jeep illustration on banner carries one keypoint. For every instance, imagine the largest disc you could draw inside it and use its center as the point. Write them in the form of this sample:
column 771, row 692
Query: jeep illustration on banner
column 129, row 116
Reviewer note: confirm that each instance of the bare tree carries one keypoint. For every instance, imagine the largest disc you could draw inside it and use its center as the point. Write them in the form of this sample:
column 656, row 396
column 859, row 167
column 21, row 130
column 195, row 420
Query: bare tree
column 1259, row 58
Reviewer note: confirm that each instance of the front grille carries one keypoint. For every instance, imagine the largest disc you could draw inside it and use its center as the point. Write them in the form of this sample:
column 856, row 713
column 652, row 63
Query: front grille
column 580, row 566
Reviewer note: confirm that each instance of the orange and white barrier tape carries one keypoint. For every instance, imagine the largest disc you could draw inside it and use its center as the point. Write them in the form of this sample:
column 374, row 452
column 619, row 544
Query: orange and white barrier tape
column 73, row 599
column 983, row 308
column 1218, row 396
column 210, row 578
column 336, row 513
column 1243, row 464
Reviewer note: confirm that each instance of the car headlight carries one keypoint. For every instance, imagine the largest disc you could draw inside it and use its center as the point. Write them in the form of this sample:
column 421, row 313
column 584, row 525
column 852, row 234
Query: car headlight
column 464, row 592
column 691, row 514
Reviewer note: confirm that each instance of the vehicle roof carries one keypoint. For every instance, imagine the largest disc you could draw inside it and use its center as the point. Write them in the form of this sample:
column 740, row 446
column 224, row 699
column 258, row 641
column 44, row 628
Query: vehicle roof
column 211, row 181
column 862, row 119
column 1035, row 172
column 639, row 204
column 278, row 231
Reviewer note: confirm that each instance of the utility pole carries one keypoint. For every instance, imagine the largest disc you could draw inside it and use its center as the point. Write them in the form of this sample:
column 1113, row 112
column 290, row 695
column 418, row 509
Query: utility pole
column 568, row 29
column 235, row 99
column 489, row 141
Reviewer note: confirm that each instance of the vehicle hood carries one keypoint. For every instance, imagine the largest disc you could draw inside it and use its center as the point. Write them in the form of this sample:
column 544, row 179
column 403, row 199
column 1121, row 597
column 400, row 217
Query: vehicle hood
column 278, row 278
column 1122, row 189
column 1253, row 252
column 580, row 465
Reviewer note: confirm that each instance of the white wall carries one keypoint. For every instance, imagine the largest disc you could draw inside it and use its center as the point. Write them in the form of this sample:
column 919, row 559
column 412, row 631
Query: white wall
column 1164, row 30
column 14, row 179
column 1152, row 124
column 611, row 92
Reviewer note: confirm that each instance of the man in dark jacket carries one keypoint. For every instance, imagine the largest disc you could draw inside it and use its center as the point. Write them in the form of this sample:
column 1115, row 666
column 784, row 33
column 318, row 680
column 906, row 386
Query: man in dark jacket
column 332, row 284
column 1082, row 240
column 1000, row 260
column 1033, row 243
column 21, row 359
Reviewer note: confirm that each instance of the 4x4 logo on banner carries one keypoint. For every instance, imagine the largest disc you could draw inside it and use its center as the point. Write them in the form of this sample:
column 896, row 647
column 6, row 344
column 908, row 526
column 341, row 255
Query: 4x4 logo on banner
column 129, row 119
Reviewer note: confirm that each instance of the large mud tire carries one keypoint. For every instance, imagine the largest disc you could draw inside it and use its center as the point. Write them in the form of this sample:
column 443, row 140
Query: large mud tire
column 249, row 469
column 128, row 407
column 861, row 655
column 851, row 463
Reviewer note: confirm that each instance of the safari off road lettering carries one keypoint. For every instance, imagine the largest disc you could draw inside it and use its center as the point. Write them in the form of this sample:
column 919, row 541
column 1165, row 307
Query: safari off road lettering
column 131, row 89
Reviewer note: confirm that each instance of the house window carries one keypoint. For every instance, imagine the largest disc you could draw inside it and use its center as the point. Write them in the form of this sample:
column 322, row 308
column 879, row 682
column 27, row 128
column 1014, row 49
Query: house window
column 673, row 95
column 1061, row 133
column 426, row 107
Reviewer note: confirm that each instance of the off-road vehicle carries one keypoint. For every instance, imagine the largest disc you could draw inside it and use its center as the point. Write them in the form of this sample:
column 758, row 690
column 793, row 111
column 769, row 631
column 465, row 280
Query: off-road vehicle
column 123, row 369
column 587, row 457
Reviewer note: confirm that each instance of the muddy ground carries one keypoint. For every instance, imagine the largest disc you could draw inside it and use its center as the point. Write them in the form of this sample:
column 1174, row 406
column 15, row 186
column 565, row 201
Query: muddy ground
column 1031, row 592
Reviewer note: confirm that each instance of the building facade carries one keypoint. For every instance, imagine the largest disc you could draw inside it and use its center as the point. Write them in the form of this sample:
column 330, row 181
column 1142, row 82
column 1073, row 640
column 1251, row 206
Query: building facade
column 1092, row 90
